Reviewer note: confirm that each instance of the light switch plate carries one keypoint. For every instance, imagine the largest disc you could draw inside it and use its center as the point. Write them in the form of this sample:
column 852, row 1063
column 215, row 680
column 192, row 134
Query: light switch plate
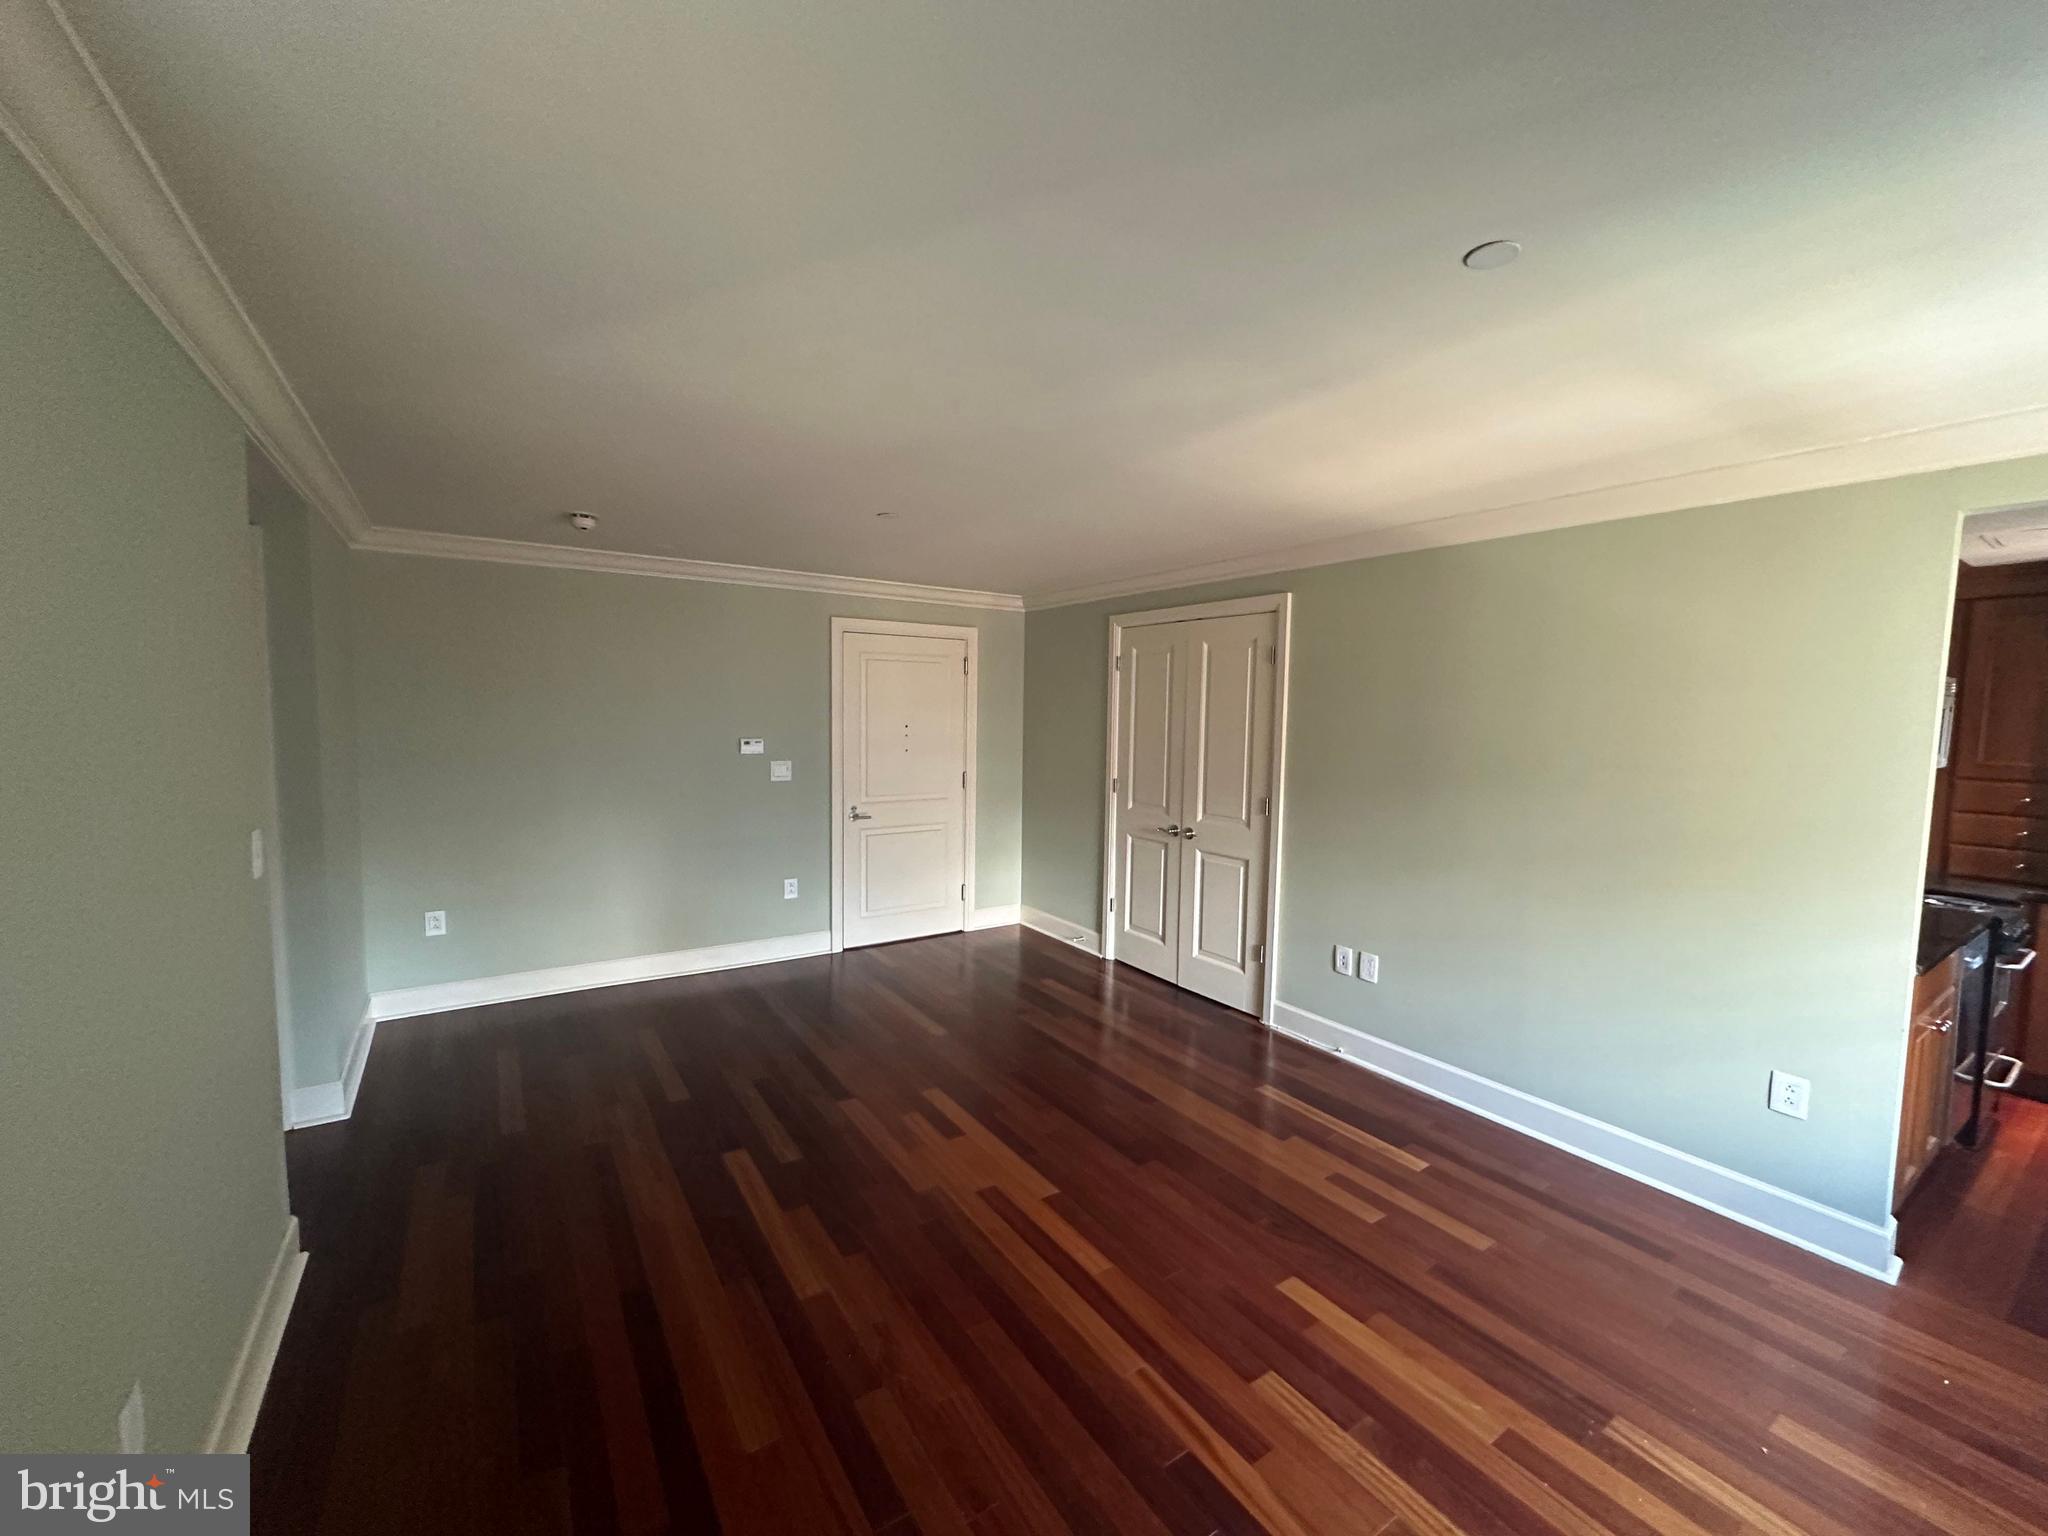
column 1368, row 966
column 752, row 746
column 778, row 771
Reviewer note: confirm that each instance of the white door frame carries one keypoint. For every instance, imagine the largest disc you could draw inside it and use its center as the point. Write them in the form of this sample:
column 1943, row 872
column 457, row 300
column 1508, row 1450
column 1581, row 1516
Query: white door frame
column 967, row 632
column 1280, row 604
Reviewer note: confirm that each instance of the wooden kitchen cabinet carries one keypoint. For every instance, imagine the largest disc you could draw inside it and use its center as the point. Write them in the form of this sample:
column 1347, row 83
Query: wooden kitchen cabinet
column 1930, row 1075
column 2002, row 714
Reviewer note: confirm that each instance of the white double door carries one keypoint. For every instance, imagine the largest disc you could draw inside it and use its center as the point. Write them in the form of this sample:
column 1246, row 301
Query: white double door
column 902, row 716
column 1194, row 781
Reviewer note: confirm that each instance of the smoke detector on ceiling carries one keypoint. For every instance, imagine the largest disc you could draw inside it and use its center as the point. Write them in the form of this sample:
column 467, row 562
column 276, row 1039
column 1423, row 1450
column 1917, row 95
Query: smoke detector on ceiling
column 582, row 522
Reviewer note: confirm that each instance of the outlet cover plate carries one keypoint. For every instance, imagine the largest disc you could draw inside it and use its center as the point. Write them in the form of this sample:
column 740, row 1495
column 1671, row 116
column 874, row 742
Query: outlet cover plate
column 1368, row 966
column 1342, row 960
column 752, row 746
column 789, row 890
column 778, row 771
column 1790, row 1095
column 437, row 924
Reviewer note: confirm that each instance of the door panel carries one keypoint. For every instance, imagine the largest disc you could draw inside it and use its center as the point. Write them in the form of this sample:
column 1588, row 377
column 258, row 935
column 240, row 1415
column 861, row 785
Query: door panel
column 1150, row 708
column 903, row 751
column 1222, row 909
column 1227, row 772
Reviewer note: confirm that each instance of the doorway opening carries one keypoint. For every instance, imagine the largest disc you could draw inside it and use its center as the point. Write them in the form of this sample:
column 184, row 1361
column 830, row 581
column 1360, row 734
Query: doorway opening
column 1976, row 1063
column 1192, row 796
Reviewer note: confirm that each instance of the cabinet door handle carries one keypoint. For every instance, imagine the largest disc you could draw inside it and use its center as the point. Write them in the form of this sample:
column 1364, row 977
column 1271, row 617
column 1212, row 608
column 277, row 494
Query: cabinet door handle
column 1188, row 833
column 1172, row 831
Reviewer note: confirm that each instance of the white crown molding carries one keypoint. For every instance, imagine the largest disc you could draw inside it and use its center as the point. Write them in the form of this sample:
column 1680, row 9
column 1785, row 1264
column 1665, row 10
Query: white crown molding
column 1848, row 1240
column 1984, row 440
column 61, row 115
column 463, row 546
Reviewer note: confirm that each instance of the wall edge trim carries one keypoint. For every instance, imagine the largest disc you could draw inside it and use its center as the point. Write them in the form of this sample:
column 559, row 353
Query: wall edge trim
column 234, row 1420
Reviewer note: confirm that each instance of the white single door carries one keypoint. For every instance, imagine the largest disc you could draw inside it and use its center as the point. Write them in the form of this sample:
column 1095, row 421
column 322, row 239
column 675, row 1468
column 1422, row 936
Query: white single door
column 1150, row 713
column 1225, row 802
column 902, row 716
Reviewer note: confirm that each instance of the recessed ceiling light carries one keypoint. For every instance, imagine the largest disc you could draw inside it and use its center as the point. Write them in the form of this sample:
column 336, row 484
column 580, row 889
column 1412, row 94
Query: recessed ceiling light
column 1495, row 253
column 582, row 522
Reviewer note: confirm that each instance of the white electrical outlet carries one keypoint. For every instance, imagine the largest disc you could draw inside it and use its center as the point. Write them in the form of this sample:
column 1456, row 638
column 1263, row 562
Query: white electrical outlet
column 752, row 746
column 256, row 854
column 1343, row 959
column 789, row 890
column 778, row 771
column 437, row 924
column 1368, row 966
column 129, row 1425
column 1789, row 1094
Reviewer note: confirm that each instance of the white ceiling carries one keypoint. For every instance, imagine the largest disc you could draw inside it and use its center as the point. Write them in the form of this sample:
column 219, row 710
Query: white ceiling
column 1077, row 293
column 2006, row 536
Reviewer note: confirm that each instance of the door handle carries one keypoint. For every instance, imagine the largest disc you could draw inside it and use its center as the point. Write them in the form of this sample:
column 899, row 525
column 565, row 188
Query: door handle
column 1172, row 831
column 854, row 813
column 1188, row 833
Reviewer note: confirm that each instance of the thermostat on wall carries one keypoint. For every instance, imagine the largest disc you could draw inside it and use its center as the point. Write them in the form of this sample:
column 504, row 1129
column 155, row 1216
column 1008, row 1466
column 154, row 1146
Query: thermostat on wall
column 752, row 746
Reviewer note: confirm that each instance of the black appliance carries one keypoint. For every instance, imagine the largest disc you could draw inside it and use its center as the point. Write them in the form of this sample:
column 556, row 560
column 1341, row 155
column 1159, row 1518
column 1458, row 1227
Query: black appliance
column 1985, row 1065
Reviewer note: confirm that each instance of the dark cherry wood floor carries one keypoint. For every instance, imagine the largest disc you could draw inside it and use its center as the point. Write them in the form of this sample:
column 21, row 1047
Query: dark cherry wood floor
column 974, row 1235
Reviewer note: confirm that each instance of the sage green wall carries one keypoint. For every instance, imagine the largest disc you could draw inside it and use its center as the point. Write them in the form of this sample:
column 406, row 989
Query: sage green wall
column 552, row 757
column 142, row 1199
column 313, row 735
column 1631, row 813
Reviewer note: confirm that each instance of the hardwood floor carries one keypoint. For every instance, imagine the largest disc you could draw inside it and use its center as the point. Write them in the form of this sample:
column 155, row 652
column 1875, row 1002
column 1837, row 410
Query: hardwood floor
column 1976, row 1230
column 973, row 1235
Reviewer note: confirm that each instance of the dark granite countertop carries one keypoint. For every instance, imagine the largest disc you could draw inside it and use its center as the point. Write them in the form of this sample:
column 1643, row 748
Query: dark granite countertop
column 1989, row 890
column 1944, row 930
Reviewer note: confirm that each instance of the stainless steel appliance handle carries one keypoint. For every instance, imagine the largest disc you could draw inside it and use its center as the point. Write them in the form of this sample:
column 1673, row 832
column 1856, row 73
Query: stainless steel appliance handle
column 2018, row 961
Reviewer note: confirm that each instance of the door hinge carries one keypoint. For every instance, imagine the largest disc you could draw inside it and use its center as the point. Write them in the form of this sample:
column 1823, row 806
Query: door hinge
column 1259, row 953
column 1112, row 903
column 963, row 666
column 1112, row 784
column 963, row 890
column 1116, row 664
column 963, row 778
column 1265, row 805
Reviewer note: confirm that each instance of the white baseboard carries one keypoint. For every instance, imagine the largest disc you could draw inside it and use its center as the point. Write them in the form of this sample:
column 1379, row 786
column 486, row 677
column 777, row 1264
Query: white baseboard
column 411, row 1002
column 1059, row 928
column 324, row 1103
column 1849, row 1240
column 994, row 917
column 235, row 1419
